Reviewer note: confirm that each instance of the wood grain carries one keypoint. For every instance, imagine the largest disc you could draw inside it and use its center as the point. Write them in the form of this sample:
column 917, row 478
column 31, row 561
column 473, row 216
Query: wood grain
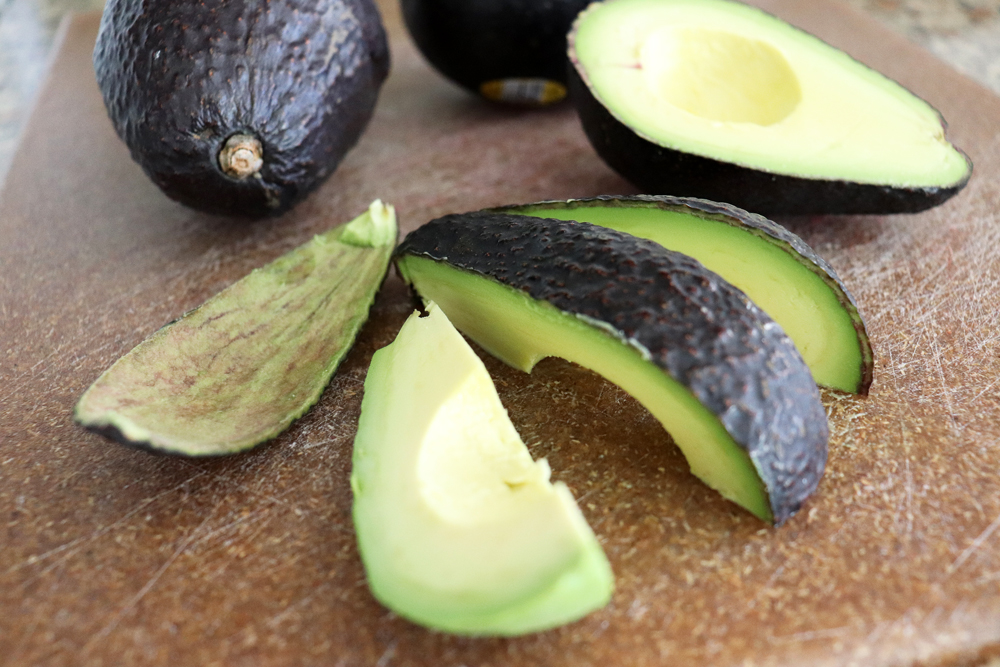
column 110, row 556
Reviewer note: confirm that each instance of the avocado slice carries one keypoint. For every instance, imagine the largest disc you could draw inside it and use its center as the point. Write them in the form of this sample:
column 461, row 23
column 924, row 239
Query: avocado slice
column 240, row 108
column 771, row 265
column 717, row 99
column 510, row 51
column 457, row 527
column 239, row 369
column 722, row 377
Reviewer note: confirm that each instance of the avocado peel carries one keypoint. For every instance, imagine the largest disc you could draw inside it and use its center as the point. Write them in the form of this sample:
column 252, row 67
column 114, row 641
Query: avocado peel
column 723, row 378
column 240, row 368
column 777, row 269
column 458, row 529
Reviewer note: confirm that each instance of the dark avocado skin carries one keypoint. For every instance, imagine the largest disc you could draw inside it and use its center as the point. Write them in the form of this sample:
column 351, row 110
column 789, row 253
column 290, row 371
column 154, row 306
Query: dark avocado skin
column 180, row 77
column 475, row 41
column 656, row 169
column 750, row 222
column 699, row 329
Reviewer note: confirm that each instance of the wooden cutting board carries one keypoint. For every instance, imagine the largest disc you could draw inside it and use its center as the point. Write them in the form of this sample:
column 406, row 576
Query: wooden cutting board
column 111, row 556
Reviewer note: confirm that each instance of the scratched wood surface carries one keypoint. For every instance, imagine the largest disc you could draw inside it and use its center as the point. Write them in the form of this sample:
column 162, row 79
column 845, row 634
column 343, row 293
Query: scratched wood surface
column 110, row 556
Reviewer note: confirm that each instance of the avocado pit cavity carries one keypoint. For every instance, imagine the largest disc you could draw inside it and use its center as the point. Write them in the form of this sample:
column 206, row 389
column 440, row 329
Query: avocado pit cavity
column 720, row 76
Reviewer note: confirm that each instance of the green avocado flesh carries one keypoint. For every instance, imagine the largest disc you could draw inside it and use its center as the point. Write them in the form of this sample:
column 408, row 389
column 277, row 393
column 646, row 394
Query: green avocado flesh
column 726, row 81
column 522, row 331
column 799, row 295
column 458, row 528
column 240, row 368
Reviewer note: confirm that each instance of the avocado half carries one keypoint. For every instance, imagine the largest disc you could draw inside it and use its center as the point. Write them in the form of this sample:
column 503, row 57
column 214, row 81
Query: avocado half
column 240, row 368
column 237, row 107
column 457, row 527
column 722, row 377
column 505, row 50
column 716, row 99
column 771, row 265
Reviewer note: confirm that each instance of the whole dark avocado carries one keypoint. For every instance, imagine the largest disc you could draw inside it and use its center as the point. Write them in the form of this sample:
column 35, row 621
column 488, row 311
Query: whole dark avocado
column 505, row 50
column 721, row 376
column 240, row 107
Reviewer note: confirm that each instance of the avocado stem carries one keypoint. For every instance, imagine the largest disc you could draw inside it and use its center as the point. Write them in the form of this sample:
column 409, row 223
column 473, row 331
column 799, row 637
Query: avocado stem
column 242, row 156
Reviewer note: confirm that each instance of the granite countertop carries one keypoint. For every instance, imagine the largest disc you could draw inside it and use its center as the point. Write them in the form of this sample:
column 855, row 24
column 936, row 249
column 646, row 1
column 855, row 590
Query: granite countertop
column 964, row 33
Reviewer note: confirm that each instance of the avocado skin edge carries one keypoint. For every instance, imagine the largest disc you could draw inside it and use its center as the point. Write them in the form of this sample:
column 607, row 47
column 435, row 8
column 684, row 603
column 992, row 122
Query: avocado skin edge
column 657, row 169
column 485, row 40
column 750, row 222
column 700, row 330
column 115, row 434
column 179, row 78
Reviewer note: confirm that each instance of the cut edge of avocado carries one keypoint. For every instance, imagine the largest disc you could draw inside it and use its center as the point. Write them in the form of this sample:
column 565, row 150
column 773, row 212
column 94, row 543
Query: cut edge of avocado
column 458, row 529
column 772, row 265
column 687, row 107
column 735, row 394
column 239, row 369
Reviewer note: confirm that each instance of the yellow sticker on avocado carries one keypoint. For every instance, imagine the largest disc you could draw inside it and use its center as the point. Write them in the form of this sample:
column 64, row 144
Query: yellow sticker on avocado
column 523, row 91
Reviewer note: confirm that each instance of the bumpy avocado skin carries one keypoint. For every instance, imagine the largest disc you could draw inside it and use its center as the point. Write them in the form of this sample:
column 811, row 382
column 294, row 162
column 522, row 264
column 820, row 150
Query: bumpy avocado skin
column 486, row 40
column 752, row 223
column 699, row 329
column 656, row 169
column 180, row 78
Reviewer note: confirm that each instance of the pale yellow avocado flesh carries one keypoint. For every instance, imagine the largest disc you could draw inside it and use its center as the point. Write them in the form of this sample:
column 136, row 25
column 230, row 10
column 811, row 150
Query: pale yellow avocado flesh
column 727, row 81
column 795, row 297
column 522, row 331
column 458, row 528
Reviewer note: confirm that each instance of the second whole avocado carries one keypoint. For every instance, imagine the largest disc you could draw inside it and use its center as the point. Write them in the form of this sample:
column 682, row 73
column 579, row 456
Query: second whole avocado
column 510, row 51
column 240, row 107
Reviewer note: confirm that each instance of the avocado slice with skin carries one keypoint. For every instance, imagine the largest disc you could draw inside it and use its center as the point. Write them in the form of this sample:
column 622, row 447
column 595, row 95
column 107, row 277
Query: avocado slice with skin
column 722, row 377
column 510, row 51
column 237, row 107
column 457, row 527
column 716, row 99
column 240, row 368
column 771, row 265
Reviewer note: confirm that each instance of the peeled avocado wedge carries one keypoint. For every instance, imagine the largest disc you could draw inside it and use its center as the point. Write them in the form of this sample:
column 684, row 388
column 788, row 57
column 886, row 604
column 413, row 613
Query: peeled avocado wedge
column 457, row 527
column 771, row 265
column 721, row 376
column 716, row 99
column 239, row 369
